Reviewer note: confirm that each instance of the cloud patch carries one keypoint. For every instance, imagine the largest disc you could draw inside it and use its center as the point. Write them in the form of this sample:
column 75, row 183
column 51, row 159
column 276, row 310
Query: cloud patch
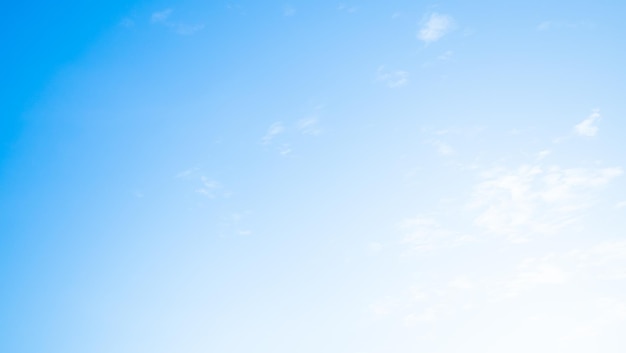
column 393, row 79
column 587, row 127
column 274, row 130
column 535, row 200
column 163, row 18
column 434, row 27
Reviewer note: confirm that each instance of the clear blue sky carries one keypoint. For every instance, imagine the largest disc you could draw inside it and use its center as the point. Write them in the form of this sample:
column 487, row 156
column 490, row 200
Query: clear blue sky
column 397, row 176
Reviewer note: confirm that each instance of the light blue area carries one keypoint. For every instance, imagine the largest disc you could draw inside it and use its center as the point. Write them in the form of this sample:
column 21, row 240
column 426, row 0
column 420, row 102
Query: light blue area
column 308, row 176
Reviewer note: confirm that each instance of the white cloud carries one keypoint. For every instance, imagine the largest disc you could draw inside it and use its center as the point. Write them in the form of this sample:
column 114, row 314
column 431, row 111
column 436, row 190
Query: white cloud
column 285, row 150
column 210, row 188
column 393, row 79
column 160, row 16
column 435, row 27
column 274, row 130
column 309, row 126
column 535, row 200
column 587, row 127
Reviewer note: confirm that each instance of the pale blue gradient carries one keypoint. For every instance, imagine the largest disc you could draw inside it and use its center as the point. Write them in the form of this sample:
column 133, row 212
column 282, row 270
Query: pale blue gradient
column 192, row 176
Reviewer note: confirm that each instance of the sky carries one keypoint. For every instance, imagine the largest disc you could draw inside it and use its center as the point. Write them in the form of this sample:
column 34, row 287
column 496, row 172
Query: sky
column 366, row 177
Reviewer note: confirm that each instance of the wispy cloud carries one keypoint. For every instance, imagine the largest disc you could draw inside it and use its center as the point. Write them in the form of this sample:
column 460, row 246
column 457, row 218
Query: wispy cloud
column 187, row 172
column 535, row 200
column 282, row 136
column 274, row 130
column 163, row 18
column 289, row 11
column 235, row 224
column 587, row 127
column 443, row 148
column 534, row 272
column 187, row 29
column 423, row 234
column 393, row 79
column 447, row 55
column 347, row 8
column 210, row 188
column 555, row 25
column 309, row 126
column 434, row 27
column 127, row 22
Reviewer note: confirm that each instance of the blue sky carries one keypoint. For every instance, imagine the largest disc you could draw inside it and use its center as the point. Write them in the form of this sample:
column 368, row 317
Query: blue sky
column 189, row 176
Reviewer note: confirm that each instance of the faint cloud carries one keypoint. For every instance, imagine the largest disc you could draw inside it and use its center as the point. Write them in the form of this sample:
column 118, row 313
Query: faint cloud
column 443, row 148
column 557, row 25
column 161, row 16
column 288, row 133
column 543, row 154
column 534, row 272
column 545, row 25
column 187, row 29
column 447, row 55
column 587, row 127
column 429, row 314
column 274, row 130
column 235, row 224
column 209, row 187
column 393, row 79
column 535, row 200
column 434, row 27
column 285, row 150
column 289, row 11
column 462, row 283
column 612, row 307
column 423, row 233
column 374, row 247
column 127, row 23
column 621, row 204
column 309, row 126
column 186, row 173
column 347, row 8
column 236, row 8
